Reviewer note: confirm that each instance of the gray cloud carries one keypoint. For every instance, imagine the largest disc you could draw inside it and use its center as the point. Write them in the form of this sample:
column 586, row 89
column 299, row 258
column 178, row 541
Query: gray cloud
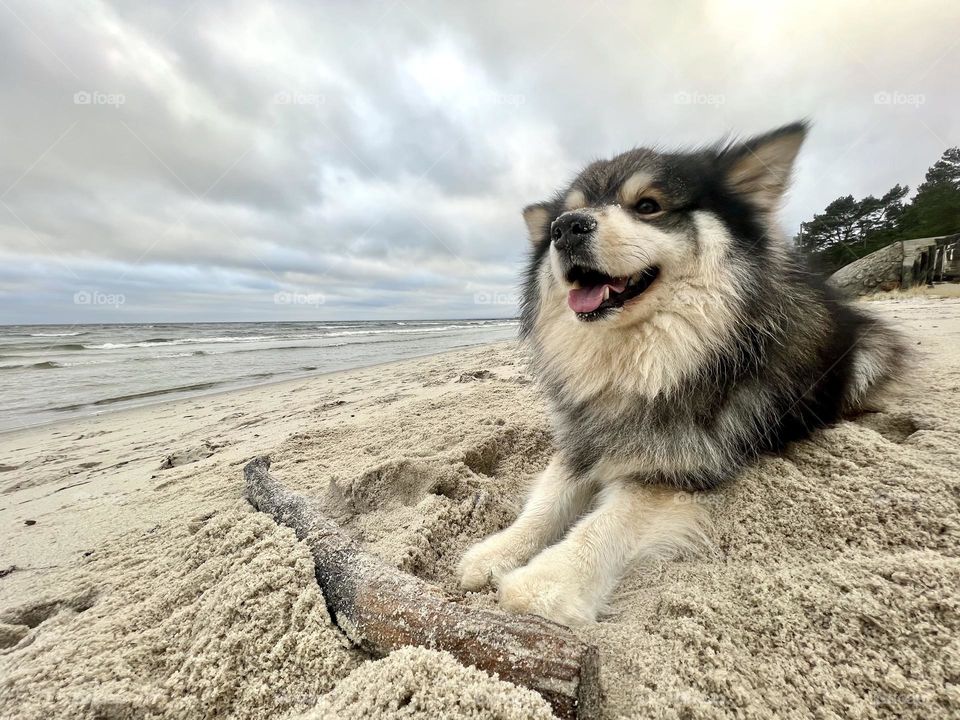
column 199, row 158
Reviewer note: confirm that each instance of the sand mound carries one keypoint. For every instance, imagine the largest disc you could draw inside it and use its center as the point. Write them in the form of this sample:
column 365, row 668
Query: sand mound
column 222, row 617
column 416, row 683
column 832, row 589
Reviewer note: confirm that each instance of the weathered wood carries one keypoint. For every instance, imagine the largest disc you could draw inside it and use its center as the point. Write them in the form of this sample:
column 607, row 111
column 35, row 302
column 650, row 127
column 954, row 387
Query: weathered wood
column 381, row 609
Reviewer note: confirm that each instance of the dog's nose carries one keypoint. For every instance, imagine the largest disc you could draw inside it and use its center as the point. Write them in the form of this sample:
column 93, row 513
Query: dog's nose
column 571, row 229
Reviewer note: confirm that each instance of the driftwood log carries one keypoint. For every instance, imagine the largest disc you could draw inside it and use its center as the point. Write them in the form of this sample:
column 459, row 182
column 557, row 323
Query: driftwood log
column 380, row 609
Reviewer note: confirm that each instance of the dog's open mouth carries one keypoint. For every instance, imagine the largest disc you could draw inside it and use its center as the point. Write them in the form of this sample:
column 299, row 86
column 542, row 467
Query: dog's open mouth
column 594, row 293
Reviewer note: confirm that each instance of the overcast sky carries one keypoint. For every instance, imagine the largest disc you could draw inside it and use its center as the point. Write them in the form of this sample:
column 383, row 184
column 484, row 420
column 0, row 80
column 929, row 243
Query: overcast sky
column 202, row 160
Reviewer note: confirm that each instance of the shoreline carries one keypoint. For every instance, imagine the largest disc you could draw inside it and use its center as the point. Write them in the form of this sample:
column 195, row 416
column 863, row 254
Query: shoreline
column 101, row 465
column 216, row 391
column 87, row 369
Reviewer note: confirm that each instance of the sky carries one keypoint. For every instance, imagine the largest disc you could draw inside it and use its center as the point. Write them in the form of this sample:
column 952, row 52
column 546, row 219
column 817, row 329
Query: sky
column 244, row 161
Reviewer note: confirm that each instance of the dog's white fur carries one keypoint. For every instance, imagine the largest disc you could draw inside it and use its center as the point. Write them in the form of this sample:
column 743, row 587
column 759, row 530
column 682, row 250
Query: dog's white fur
column 570, row 581
column 647, row 348
column 654, row 342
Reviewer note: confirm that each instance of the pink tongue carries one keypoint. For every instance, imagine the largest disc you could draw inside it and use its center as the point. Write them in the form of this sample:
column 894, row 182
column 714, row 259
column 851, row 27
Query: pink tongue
column 588, row 299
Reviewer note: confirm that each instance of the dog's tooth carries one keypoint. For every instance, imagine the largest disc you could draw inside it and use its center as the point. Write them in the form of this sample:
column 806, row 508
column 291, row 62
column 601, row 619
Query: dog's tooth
column 606, row 292
column 576, row 284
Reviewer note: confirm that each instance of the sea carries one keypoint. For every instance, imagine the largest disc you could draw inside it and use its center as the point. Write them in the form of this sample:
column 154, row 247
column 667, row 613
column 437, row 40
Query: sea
column 51, row 372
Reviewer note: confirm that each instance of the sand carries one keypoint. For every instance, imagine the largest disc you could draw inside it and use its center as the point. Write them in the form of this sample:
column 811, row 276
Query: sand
column 136, row 591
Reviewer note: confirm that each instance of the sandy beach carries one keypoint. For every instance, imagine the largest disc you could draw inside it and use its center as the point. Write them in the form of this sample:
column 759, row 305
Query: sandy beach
column 135, row 580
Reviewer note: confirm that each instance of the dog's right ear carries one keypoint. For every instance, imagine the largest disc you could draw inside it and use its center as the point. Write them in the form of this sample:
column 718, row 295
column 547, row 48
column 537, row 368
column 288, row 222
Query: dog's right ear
column 537, row 217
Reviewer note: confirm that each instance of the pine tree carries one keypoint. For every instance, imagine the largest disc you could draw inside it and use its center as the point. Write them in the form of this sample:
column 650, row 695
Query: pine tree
column 935, row 210
column 848, row 229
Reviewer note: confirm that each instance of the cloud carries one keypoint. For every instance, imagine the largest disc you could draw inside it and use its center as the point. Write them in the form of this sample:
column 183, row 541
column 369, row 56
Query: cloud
column 201, row 158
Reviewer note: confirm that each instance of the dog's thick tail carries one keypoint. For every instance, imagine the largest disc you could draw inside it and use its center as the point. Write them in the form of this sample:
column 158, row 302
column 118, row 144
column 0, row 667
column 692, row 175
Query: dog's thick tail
column 879, row 357
column 678, row 523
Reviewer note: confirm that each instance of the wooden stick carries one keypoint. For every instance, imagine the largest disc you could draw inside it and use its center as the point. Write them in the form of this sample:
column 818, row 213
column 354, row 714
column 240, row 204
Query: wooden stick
column 381, row 609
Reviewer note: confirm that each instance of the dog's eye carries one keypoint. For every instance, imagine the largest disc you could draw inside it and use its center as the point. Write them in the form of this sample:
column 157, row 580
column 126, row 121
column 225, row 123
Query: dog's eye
column 647, row 206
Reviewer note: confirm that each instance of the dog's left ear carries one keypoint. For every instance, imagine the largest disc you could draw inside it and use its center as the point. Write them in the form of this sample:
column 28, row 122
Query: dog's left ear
column 537, row 217
column 759, row 169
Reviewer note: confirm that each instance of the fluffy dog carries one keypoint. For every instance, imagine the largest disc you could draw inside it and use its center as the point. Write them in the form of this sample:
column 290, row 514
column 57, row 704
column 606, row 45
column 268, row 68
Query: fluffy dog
column 676, row 335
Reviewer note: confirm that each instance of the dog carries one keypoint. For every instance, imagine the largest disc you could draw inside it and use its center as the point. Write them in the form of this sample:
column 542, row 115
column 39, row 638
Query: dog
column 676, row 335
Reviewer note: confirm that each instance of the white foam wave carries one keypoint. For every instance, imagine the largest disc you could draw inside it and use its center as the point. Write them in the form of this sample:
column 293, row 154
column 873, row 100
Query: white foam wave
column 183, row 341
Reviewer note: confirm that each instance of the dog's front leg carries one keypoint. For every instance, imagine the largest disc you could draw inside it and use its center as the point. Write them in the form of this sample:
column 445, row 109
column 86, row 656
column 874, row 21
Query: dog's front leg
column 555, row 501
column 571, row 581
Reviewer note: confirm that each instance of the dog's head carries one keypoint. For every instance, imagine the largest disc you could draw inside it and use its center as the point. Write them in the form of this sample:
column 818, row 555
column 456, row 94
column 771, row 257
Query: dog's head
column 636, row 234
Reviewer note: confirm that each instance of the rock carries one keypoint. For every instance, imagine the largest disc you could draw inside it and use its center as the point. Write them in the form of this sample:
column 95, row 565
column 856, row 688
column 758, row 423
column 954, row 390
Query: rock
column 475, row 375
column 192, row 455
column 879, row 270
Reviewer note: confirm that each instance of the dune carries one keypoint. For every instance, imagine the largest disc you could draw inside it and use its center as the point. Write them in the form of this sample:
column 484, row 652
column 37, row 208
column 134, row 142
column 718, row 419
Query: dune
column 127, row 590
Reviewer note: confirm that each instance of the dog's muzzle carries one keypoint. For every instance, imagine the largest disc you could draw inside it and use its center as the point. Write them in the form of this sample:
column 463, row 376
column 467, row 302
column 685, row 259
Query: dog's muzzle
column 570, row 231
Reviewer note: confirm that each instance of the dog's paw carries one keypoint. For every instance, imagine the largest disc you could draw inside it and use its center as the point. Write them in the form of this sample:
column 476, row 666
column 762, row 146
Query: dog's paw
column 551, row 589
column 487, row 561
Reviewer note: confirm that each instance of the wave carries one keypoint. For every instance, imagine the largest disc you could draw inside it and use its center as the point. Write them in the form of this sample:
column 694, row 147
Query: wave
column 16, row 349
column 90, row 361
column 154, row 342
column 71, row 347
column 175, row 349
column 64, row 334
column 427, row 329
column 272, row 349
column 346, row 338
column 45, row 365
column 141, row 395
column 169, row 356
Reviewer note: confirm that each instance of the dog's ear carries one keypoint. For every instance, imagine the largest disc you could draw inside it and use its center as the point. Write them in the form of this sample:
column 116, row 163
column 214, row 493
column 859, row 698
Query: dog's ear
column 759, row 169
column 537, row 217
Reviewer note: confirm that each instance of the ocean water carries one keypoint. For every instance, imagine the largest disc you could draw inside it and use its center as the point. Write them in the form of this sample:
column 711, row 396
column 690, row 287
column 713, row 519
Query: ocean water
column 51, row 372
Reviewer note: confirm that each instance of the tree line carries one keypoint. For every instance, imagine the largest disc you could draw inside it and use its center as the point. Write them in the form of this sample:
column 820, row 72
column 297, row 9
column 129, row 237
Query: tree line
column 849, row 228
